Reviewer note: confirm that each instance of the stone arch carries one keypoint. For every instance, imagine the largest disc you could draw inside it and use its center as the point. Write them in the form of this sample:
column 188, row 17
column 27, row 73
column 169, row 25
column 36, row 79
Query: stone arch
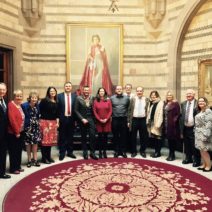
column 175, row 47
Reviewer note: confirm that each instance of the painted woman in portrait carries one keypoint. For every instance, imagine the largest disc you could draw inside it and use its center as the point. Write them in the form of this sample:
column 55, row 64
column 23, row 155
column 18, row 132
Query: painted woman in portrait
column 96, row 73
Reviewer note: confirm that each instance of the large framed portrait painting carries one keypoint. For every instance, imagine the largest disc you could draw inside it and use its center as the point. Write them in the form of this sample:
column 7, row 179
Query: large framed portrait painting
column 94, row 56
column 205, row 79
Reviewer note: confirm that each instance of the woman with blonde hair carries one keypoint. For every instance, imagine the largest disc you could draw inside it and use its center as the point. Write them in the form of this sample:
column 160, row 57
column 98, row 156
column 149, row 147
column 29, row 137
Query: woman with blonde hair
column 203, row 133
column 171, row 123
column 15, row 132
column 32, row 134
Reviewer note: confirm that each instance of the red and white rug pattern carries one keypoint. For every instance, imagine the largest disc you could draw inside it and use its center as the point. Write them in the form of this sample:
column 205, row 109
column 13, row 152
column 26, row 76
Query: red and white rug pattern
column 128, row 185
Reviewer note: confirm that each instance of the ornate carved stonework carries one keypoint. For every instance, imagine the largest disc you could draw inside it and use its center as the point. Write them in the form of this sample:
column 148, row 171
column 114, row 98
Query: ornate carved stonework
column 32, row 11
column 113, row 7
column 155, row 11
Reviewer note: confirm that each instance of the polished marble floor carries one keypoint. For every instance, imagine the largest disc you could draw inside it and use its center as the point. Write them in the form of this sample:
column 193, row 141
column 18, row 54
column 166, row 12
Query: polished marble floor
column 5, row 185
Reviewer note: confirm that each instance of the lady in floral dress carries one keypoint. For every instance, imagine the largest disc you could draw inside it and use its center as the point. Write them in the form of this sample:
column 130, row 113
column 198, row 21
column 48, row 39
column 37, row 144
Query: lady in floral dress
column 203, row 133
column 32, row 134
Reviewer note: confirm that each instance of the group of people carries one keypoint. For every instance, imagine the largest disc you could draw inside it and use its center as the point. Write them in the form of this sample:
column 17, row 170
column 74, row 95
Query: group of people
column 52, row 121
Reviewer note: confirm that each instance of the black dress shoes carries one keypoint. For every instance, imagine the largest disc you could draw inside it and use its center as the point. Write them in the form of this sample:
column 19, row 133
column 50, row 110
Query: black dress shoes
column 124, row 155
column 61, row 157
column 100, row 154
column 196, row 164
column 133, row 155
column 5, row 176
column 170, row 158
column 116, row 154
column 85, row 155
column 43, row 160
column 93, row 156
column 187, row 161
column 104, row 154
column 143, row 154
column 71, row 155
column 51, row 160
column 156, row 155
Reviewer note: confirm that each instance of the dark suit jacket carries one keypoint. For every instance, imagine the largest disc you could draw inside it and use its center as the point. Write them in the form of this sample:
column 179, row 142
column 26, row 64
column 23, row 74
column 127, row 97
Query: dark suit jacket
column 81, row 109
column 61, row 104
column 183, row 112
column 3, row 122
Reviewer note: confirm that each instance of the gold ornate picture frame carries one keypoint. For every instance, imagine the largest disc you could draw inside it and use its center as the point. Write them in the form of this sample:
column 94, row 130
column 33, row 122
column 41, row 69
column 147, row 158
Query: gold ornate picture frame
column 205, row 79
column 79, row 38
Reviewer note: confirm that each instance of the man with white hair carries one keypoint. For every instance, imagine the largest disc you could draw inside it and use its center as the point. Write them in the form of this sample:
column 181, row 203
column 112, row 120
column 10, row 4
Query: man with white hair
column 188, row 111
column 3, row 130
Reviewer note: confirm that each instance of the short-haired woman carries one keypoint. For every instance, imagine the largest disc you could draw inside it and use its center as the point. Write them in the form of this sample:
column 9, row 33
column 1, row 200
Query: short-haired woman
column 32, row 134
column 15, row 132
column 155, row 122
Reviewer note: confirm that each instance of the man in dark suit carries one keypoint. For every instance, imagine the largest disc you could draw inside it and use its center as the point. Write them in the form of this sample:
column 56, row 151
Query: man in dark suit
column 188, row 112
column 84, row 113
column 3, row 130
column 66, row 101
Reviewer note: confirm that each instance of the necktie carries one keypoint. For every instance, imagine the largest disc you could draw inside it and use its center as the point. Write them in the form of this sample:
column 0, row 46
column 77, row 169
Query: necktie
column 68, row 105
column 3, row 105
column 187, row 112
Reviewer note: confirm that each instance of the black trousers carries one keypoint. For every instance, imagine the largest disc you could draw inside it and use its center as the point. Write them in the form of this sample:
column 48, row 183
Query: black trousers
column 189, row 144
column 128, row 140
column 66, row 131
column 102, row 141
column 46, row 152
column 156, row 143
column 119, row 129
column 3, row 153
column 172, row 145
column 15, row 151
column 90, row 130
column 139, row 125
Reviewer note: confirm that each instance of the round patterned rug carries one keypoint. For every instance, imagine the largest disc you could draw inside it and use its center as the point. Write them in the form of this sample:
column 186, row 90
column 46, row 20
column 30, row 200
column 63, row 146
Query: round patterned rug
column 111, row 185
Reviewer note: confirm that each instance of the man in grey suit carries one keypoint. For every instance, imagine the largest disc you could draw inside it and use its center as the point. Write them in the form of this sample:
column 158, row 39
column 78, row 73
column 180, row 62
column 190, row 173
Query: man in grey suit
column 84, row 113
column 3, row 130
column 188, row 111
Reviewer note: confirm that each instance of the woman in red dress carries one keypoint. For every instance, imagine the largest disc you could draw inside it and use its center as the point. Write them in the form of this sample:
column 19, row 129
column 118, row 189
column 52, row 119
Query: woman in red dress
column 102, row 108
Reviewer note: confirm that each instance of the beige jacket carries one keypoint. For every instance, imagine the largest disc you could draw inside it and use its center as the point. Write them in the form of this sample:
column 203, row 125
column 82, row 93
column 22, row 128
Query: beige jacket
column 155, row 127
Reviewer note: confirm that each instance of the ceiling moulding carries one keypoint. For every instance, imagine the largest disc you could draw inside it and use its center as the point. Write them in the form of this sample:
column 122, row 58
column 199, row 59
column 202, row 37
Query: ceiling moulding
column 113, row 6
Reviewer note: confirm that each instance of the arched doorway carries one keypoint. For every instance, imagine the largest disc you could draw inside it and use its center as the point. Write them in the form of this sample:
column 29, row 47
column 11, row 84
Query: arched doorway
column 177, row 38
